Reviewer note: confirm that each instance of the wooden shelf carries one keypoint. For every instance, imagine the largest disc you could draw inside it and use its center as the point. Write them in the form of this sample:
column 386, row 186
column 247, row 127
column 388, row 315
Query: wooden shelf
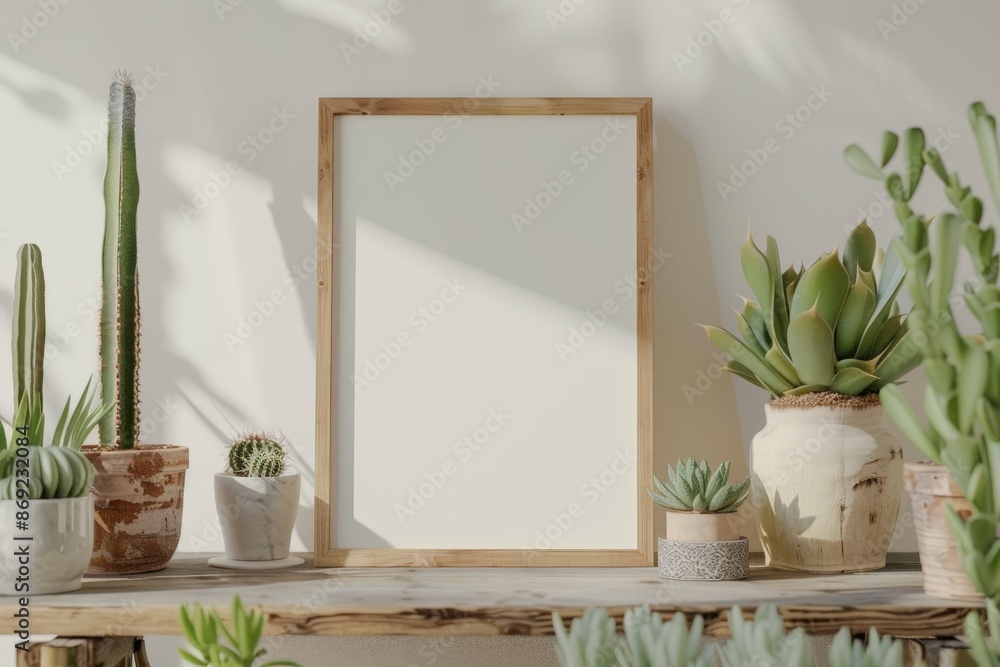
column 309, row 601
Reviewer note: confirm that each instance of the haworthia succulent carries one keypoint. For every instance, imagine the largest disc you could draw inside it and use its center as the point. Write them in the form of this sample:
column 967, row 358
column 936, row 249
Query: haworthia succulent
column 119, row 327
column 695, row 487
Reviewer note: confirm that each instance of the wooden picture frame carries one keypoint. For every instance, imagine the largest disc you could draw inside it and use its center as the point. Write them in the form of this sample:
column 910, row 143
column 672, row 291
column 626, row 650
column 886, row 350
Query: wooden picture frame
column 327, row 553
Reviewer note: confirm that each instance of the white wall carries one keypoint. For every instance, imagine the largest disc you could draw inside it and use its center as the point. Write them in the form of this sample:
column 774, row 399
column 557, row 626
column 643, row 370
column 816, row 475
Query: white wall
column 219, row 72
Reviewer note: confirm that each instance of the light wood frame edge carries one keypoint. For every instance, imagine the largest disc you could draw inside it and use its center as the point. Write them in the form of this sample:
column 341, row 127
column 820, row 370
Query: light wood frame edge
column 327, row 307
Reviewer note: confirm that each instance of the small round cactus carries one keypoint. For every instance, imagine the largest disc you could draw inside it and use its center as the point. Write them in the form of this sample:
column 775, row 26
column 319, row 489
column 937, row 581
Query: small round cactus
column 266, row 462
column 242, row 451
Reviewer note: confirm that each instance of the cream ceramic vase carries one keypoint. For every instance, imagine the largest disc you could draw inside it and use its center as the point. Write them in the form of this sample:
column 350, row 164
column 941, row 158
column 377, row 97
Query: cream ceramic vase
column 827, row 482
column 61, row 532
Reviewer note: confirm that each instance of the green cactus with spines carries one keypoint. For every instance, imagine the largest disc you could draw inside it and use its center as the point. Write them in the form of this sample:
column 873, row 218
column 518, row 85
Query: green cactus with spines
column 56, row 467
column 266, row 462
column 28, row 339
column 242, row 449
column 119, row 326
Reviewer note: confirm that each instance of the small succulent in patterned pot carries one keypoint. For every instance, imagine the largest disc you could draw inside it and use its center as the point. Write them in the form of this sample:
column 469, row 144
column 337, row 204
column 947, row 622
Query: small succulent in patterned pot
column 703, row 538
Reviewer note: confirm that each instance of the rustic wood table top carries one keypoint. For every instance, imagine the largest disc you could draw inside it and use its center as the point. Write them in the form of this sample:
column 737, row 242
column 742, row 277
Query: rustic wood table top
column 482, row 601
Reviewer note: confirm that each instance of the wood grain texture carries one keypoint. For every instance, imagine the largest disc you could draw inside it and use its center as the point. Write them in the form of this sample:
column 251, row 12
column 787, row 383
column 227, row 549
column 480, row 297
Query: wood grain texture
column 461, row 601
column 327, row 553
column 495, row 106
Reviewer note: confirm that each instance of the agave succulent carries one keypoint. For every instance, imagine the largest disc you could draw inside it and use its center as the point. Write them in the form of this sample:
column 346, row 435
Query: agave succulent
column 694, row 487
column 835, row 326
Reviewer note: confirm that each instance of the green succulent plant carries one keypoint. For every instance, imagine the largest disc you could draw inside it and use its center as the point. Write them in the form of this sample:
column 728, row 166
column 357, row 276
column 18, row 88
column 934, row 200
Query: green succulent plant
column 590, row 642
column 762, row 641
column 56, row 468
column 221, row 646
column 962, row 397
column 695, row 487
column 651, row 642
column 256, row 454
column 835, row 326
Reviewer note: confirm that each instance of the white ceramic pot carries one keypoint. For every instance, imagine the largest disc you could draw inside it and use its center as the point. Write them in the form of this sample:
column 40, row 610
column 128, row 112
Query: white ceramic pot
column 257, row 514
column 826, row 484
column 62, row 541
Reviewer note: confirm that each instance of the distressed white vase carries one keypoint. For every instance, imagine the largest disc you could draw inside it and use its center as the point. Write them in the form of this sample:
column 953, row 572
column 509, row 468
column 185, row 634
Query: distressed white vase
column 61, row 544
column 827, row 483
column 257, row 515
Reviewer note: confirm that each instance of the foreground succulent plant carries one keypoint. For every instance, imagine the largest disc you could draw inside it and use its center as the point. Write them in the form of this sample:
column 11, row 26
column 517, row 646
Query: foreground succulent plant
column 835, row 326
column 695, row 487
column 651, row 642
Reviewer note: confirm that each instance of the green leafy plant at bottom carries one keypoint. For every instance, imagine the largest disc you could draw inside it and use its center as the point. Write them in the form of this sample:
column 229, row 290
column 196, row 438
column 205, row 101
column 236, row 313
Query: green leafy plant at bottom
column 651, row 642
column 222, row 646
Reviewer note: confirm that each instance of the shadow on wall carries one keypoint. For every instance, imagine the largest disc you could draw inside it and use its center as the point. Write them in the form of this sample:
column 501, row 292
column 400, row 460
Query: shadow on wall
column 291, row 52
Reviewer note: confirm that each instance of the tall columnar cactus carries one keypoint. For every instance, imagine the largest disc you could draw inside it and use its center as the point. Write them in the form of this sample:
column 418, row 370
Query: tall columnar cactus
column 120, row 287
column 28, row 337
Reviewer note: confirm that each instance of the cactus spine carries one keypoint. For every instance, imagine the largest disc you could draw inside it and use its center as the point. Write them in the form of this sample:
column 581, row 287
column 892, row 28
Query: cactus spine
column 120, row 286
column 245, row 448
column 266, row 462
column 28, row 339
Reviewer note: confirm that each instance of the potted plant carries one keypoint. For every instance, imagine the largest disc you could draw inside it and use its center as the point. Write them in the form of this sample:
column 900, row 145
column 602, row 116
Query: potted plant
column 826, row 474
column 959, row 489
column 44, row 484
column 702, row 539
column 140, row 488
column 257, row 499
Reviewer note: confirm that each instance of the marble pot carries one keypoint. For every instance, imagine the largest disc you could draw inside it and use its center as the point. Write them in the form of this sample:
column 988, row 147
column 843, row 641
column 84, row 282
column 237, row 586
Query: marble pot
column 257, row 514
column 62, row 540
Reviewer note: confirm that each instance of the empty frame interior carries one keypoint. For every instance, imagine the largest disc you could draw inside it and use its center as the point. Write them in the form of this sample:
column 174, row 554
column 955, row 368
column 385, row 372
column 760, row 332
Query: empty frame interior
column 484, row 332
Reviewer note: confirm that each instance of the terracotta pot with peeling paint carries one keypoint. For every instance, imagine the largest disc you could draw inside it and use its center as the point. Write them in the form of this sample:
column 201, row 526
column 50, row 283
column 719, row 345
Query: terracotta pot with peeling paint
column 139, row 502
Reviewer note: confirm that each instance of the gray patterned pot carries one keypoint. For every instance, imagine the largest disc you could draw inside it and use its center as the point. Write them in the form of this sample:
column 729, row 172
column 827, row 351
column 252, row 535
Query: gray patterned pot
column 705, row 561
